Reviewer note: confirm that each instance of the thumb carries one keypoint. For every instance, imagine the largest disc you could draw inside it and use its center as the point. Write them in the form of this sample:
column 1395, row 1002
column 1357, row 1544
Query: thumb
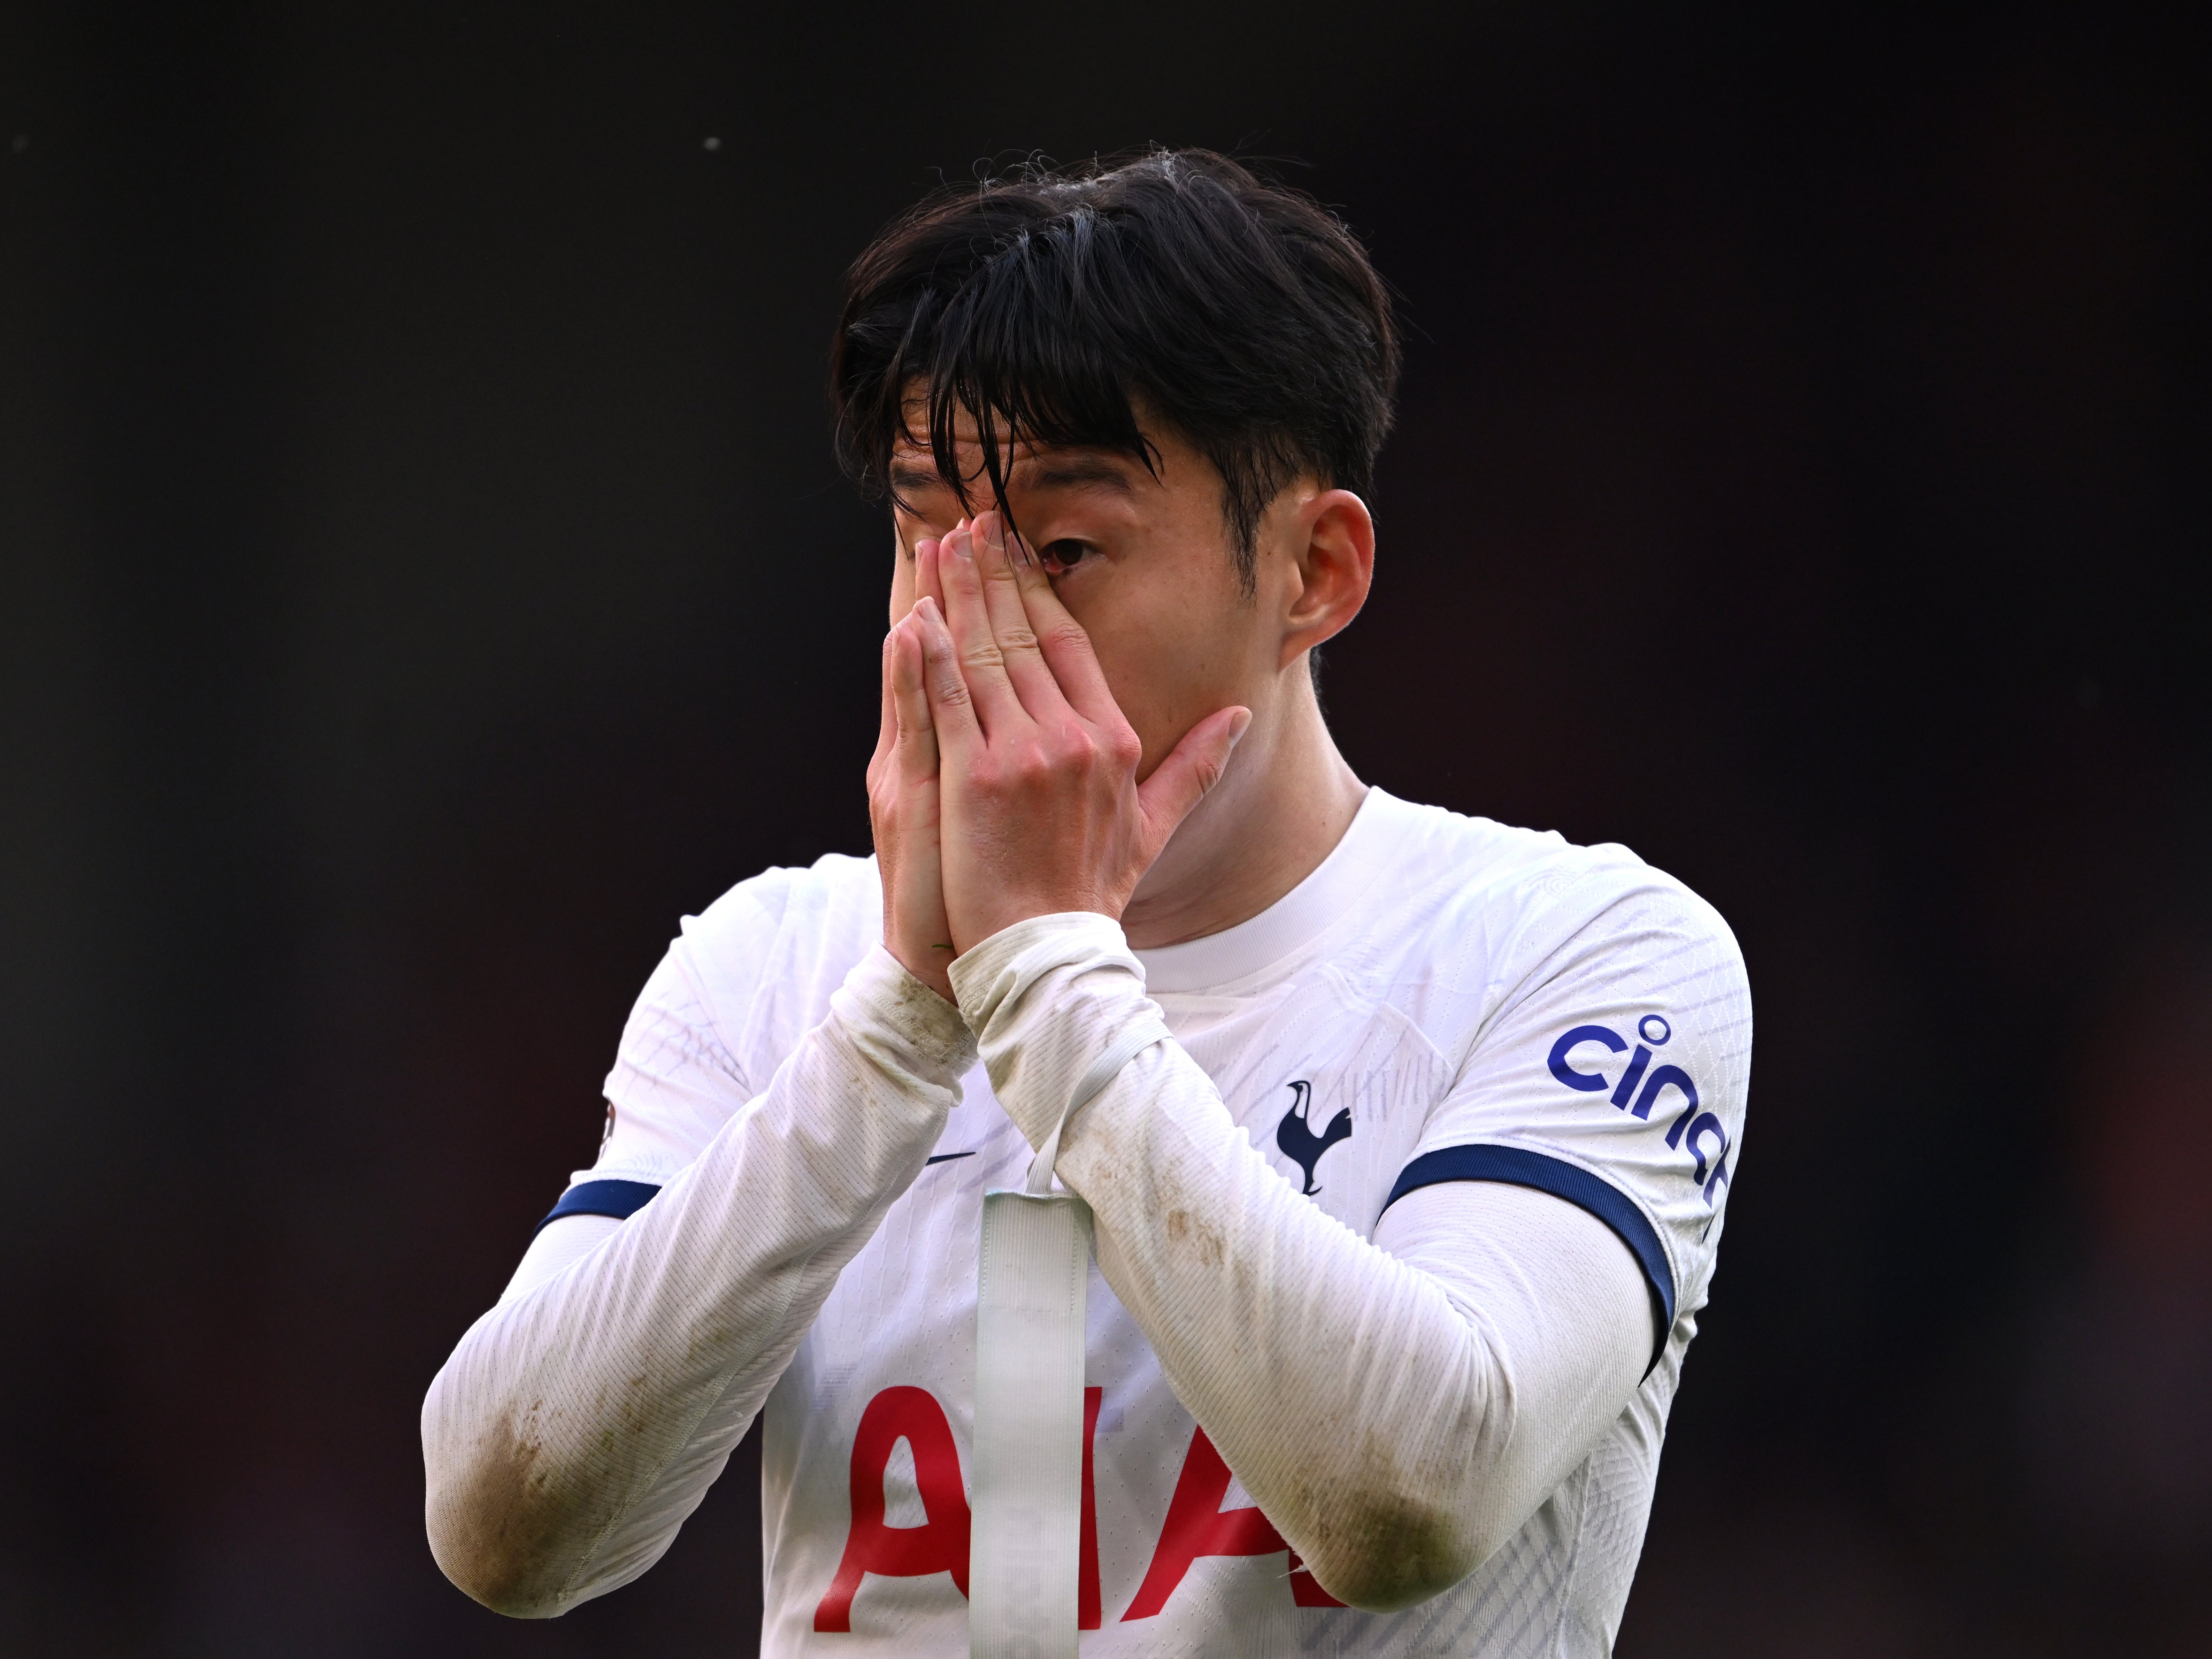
column 1190, row 772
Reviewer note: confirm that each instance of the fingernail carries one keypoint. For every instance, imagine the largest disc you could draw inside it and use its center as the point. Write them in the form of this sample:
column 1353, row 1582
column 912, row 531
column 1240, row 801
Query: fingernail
column 1241, row 726
column 995, row 532
column 964, row 544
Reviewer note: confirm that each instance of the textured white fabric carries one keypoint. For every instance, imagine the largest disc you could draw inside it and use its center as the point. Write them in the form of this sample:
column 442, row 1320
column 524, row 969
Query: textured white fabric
column 1405, row 1005
column 577, row 1425
column 558, row 1246
column 1551, row 1301
column 1377, row 1425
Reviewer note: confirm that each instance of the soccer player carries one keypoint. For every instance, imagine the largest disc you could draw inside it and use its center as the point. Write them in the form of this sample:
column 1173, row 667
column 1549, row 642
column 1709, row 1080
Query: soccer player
column 1403, row 1218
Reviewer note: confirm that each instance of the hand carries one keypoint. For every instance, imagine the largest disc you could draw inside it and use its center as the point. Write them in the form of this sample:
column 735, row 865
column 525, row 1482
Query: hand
column 903, row 810
column 1041, row 809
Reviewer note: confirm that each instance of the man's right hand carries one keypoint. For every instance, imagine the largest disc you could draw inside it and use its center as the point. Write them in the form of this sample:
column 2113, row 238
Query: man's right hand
column 902, row 799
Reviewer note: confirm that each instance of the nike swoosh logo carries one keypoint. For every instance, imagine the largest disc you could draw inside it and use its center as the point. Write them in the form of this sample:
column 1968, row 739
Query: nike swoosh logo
column 945, row 1157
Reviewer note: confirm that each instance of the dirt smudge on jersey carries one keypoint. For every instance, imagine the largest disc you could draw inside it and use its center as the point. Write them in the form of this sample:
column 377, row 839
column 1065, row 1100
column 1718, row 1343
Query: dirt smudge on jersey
column 1198, row 1237
column 498, row 1531
column 1379, row 1545
column 931, row 1025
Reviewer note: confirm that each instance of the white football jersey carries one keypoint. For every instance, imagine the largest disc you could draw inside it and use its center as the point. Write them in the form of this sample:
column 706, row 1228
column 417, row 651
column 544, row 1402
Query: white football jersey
column 1444, row 999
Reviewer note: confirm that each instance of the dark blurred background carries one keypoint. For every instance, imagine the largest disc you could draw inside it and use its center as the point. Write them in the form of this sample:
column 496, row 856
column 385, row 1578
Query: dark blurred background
column 424, row 578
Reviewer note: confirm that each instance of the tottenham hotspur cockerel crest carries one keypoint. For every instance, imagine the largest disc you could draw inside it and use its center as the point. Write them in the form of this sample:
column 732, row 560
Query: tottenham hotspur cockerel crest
column 1295, row 1134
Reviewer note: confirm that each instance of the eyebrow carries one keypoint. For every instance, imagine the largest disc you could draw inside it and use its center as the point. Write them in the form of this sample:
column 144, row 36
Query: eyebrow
column 1075, row 471
column 905, row 478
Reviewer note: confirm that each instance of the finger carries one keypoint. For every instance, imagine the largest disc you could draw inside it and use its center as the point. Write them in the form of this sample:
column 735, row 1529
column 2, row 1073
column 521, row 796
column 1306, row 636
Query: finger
column 927, row 552
column 1060, row 638
column 968, row 624
column 951, row 704
column 1191, row 770
column 915, row 730
column 1031, row 676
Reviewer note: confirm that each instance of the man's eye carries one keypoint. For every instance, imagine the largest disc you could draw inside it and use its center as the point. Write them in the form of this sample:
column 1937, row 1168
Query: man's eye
column 1064, row 554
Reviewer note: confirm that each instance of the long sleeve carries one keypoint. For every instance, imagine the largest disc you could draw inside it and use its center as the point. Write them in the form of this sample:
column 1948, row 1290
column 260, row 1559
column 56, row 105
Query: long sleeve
column 579, row 1422
column 1397, row 1408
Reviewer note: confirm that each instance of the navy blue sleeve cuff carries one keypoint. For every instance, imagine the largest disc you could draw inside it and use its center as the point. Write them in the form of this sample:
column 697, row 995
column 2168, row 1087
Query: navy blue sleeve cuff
column 620, row 1199
column 1519, row 1167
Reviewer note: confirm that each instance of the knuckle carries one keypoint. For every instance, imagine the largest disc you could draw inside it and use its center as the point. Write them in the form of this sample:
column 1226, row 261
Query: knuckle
column 1068, row 634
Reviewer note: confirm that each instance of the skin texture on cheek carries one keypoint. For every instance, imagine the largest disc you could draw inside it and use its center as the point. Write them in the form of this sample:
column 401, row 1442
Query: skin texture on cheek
column 1168, row 670
column 1176, row 632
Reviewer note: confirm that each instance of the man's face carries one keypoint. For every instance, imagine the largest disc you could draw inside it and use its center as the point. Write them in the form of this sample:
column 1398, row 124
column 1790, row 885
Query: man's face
column 1145, row 564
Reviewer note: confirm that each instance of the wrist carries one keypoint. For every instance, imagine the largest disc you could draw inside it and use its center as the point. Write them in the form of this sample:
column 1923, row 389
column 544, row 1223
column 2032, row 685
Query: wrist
column 1046, row 997
column 930, row 964
column 908, row 1021
column 922, row 946
column 1004, row 963
column 979, row 923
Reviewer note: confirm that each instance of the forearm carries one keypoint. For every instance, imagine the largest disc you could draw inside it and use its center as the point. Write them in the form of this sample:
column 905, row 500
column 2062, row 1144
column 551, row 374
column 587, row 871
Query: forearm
column 577, row 1424
column 1396, row 1417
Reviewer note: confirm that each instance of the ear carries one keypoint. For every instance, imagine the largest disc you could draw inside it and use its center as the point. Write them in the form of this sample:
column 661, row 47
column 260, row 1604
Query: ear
column 1333, row 554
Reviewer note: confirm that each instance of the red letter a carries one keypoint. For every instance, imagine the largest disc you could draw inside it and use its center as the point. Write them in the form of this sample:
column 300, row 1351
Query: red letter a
column 1087, row 1613
column 1197, row 1525
column 913, row 1415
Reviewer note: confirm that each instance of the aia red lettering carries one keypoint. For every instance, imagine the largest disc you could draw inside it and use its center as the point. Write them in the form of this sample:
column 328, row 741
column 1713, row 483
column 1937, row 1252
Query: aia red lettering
column 913, row 1415
column 1197, row 1525
column 1087, row 1613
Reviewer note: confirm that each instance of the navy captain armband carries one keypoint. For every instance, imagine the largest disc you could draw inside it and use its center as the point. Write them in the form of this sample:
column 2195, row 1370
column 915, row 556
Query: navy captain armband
column 620, row 1199
column 1517, row 1166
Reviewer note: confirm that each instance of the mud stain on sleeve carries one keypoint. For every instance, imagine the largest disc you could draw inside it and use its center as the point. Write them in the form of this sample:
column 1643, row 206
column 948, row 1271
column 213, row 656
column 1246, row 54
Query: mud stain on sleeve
column 498, row 1531
column 1383, row 1548
column 931, row 1028
column 1197, row 1237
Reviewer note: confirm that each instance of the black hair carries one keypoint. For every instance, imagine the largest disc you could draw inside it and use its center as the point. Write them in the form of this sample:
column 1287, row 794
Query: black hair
column 1053, row 304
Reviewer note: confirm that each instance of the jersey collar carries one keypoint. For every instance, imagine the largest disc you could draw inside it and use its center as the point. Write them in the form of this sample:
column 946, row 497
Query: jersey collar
column 1219, row 960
